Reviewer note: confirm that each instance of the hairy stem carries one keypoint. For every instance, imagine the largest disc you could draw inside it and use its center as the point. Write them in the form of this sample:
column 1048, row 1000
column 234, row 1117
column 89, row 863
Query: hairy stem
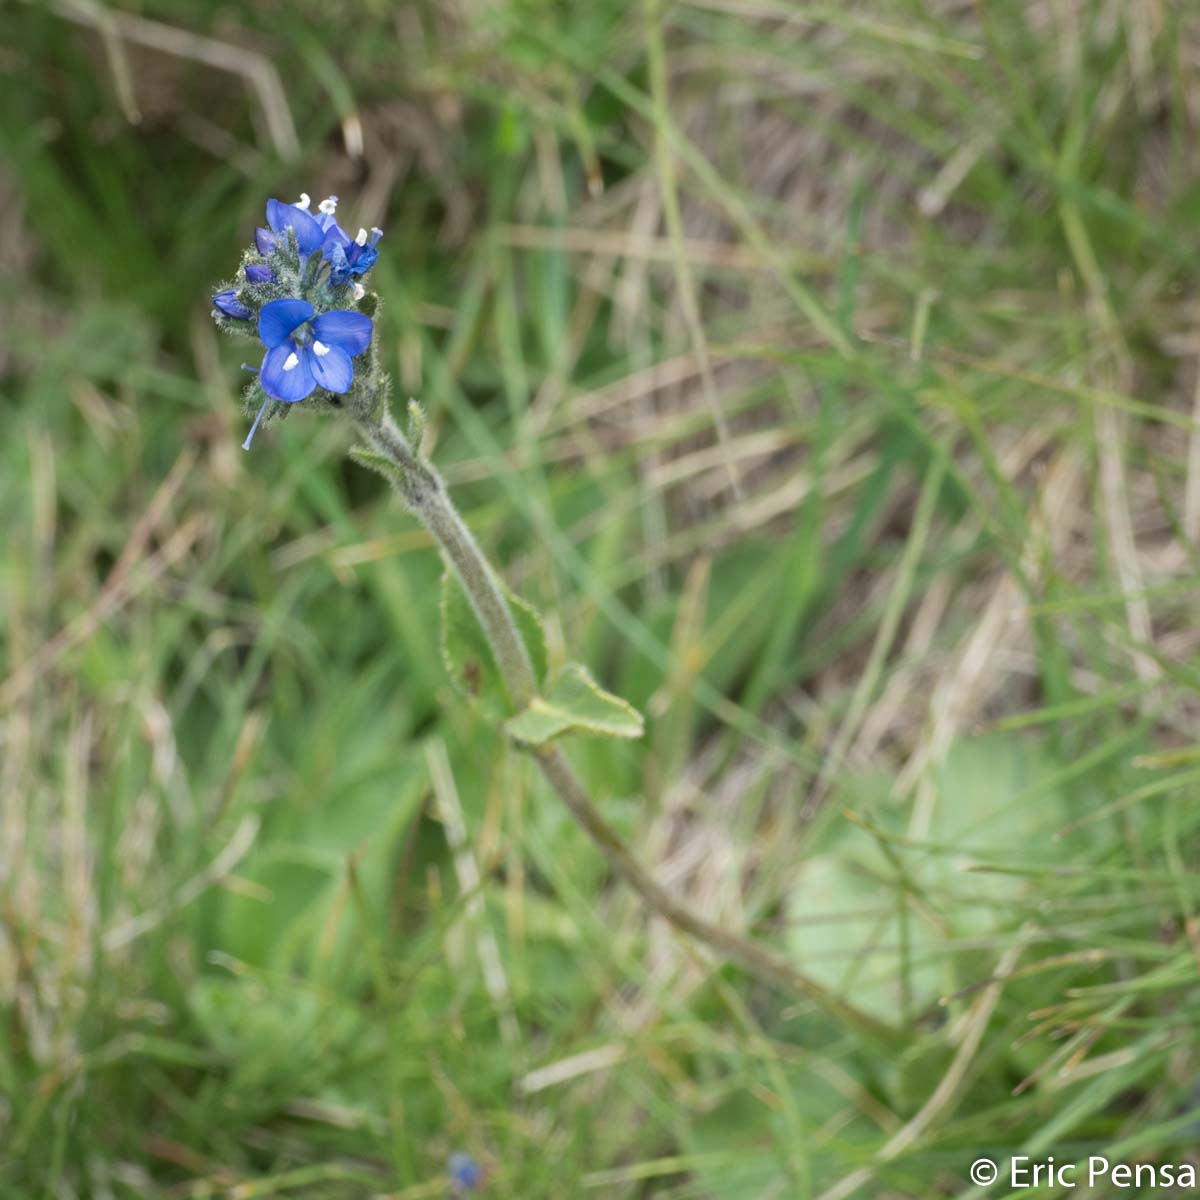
column 425, row 495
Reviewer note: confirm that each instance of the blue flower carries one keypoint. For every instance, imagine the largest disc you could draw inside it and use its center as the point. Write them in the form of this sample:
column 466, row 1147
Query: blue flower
column 297, row 218
column 465, row 1173
column 348, row 259
column 227, row 302
column 305, row 351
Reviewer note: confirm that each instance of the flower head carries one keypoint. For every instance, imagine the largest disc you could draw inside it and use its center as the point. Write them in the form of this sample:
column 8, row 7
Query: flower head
column 298, row 286
column 306, row 351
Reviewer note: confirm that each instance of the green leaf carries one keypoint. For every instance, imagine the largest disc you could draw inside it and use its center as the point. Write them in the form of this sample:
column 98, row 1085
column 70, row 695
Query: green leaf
column 417, row 425
column 872, row 918
column 468, row 656
column 576, row 703
column 377, row 462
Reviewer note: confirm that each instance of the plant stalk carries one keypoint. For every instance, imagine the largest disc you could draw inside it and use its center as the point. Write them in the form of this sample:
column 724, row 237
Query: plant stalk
column 425, row 494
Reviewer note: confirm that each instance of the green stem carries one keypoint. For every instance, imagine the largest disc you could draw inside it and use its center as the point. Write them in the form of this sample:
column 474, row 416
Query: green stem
column 425, row 495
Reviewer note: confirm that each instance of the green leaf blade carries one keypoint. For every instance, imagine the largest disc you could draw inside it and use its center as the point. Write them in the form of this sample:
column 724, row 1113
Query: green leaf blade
column 575, row 704
column 468, row 655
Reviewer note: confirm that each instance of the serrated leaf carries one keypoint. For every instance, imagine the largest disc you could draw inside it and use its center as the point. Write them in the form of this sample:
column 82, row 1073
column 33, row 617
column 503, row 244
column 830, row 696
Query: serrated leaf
column 576, row 703
column 467, row 654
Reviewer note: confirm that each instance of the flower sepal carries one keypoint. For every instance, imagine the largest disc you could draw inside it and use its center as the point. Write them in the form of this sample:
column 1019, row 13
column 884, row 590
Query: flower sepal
column 310, row 274
column 286, row 255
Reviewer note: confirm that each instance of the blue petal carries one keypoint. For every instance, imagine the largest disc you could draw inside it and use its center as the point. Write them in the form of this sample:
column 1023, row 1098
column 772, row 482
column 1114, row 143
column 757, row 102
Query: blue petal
column 364, row 260
column 230, row 305
column 309, row 233
column 335, row 238
column 279, row 318
column 339, row 267
column 264, row 239
column 351, row 331
column 277, row 213
column 259, row 273
column 332, row 370
column 290, row 385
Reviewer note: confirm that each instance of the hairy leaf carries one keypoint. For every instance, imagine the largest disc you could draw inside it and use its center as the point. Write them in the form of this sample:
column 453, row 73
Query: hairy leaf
column 576, row 703
column 467, row 654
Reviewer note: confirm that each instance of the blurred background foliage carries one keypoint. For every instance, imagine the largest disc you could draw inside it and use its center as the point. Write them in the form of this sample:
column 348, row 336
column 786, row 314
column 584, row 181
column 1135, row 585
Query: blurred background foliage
column 827, row 374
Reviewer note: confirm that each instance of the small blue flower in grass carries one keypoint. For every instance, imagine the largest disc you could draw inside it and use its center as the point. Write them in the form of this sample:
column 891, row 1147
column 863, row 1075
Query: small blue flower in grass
column 226, row 301
column 465, row 1173
column 305, row 348
column 305, row 351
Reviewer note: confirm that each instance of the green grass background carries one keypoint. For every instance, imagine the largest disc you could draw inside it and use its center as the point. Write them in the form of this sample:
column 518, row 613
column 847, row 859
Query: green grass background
column 827, row 375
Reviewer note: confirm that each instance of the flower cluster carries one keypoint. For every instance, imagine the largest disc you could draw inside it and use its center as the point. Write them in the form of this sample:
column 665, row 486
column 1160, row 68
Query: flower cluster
column 298, row 290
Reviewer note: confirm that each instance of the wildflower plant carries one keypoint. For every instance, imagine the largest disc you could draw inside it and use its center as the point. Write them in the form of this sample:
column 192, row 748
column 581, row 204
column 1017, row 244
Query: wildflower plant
column 301, row 291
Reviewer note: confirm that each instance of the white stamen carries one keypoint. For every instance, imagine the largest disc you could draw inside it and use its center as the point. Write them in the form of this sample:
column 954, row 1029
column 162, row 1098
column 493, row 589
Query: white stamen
column 377, row 232
column 320, row 349
column 291, row 362
column 328, row 205
column 362, row 237
column 359, row 291
column 304, row 201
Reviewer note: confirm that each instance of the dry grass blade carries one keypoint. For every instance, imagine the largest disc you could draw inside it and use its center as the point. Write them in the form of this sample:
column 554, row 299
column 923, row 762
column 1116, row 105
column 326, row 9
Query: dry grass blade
column 665, row 158
column 130, row 575
column 253, row 66
column 974, row 1026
